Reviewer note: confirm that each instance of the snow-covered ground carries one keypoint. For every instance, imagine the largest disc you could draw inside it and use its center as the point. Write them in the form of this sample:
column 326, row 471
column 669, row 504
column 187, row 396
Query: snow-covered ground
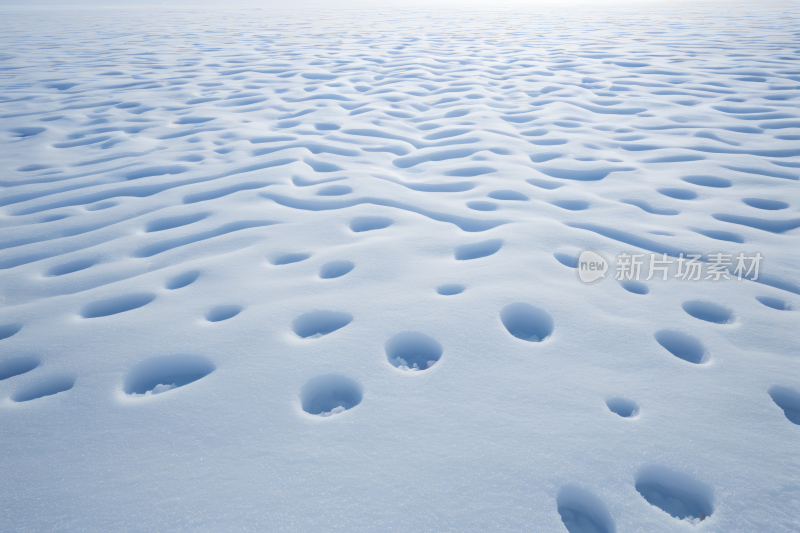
column 308, row 270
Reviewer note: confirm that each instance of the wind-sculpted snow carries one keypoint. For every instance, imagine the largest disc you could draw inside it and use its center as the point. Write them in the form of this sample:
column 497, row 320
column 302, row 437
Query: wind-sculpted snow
column 297, row 270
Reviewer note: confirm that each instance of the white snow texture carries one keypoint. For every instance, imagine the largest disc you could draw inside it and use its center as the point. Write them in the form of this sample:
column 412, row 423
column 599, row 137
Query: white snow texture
column 315, row 269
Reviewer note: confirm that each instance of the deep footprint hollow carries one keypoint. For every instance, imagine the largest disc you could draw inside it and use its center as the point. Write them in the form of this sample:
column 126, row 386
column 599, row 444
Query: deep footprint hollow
column 69, row 268
column 482, row 205
column 182, row 280
column 17, row 366
column 477, row 250
column 362, row 224
column 336, row 269
column 330, row 395
column 681, row 345
column 288, row 259
column 635, row 287
column 678, row 194
column 319, row 323
column 774, row 303
column 788, row 400
column 411, row 350
column 116, row 305
column 566, row 259
column 162, row 373
column 708, row 311
column 223, row 312
column 622, row 407
column 450, row 289
column 676, row 494
column 527, row 322
column 46, row 387
column 9, row 330
column 583, row 512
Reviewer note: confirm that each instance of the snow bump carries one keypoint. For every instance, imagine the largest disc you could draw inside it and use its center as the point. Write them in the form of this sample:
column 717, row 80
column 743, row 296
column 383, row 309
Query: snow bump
column 288, row 259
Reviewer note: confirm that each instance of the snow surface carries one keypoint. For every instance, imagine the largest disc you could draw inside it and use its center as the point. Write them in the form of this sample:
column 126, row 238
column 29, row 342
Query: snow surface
column 227, row 233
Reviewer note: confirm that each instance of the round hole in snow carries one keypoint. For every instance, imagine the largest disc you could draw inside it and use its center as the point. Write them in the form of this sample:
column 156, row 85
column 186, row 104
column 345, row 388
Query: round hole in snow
column 681, row 345
column 676, row 494
column 336, row 269
column 329, row 395
column 481, row 205
column 622, row 407
column 678, row 194
column 223, row 312
column 636, row 287
column 710, row 312
column 566, row 259
column 775, row 303
column 46, row 387
column 166, row 372
column 583, row 512
column 318, row 323
column 450, row 289
column 505, row 194
column 707, row 181
column 288, row 259
column 768, row 205
column 411, row 350
column 17, row 366
column 370, row 223
column 118, row 304
column 788, row 400
column 477, row 250
column 69, row 268
column 182, row 280
column 527, row 322
column 9, row 330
